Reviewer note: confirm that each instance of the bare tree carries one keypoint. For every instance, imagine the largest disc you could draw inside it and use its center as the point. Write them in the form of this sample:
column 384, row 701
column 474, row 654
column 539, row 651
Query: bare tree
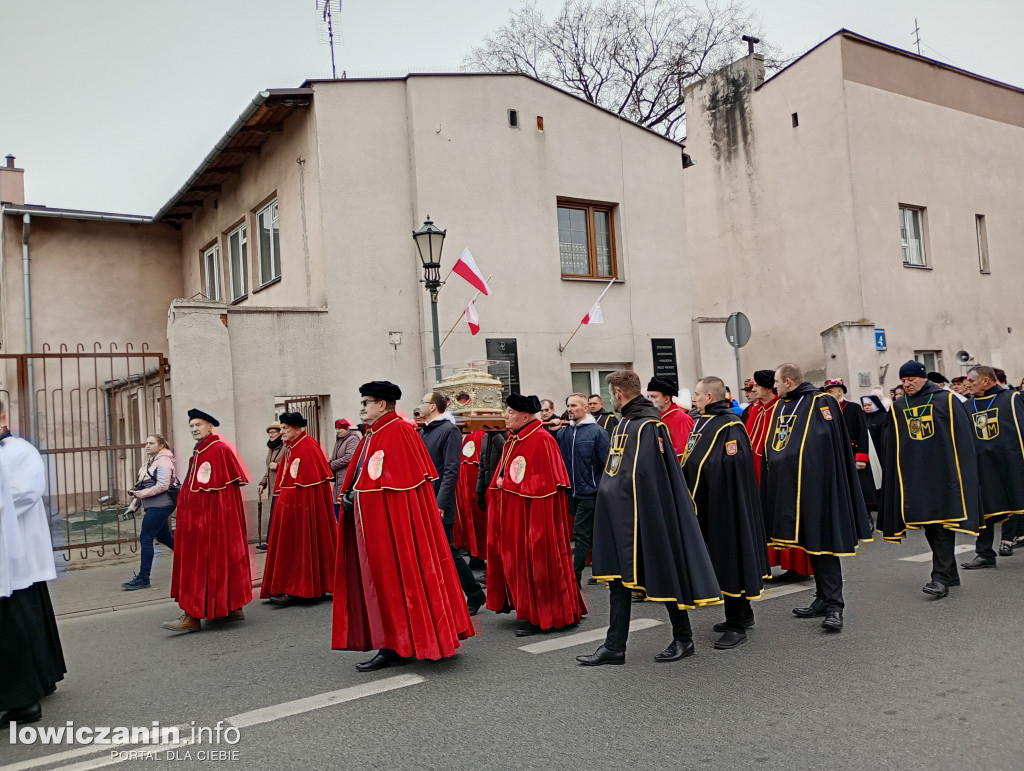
column 633, row 57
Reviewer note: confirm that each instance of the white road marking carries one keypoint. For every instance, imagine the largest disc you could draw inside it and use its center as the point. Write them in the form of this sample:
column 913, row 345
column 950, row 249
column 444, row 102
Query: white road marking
column 927, row 556
column 242, row 720
column 572, row 640
column 782, row 591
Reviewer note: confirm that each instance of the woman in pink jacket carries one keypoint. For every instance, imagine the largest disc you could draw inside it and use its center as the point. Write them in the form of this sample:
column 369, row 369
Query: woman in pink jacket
column 150, row 492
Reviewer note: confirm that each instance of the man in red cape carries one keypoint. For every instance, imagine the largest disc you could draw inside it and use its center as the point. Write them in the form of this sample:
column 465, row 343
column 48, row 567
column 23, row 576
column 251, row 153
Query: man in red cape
column 300, row 560
column 529, row 561
column 762, row 409
column 470, row 521
column 211, row 577
column 679, row 423
column 395, row 587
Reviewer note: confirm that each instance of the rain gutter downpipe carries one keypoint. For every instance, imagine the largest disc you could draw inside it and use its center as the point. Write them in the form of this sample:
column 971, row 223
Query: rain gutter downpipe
column 26, row 228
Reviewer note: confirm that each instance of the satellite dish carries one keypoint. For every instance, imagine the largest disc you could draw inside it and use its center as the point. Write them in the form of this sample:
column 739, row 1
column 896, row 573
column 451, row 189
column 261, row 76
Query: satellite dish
column 963, row 357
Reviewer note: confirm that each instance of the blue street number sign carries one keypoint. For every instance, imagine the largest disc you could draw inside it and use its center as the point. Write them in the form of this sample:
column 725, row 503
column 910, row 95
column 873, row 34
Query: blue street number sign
column 879, row 339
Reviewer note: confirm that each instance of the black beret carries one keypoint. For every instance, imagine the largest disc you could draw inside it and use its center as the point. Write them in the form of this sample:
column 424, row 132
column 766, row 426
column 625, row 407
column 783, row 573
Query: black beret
column 381, row 389
column 665, row 386
column 520, row 403
column 765, row 378
column 937, row 377
column 193, row 413
column 293, row 419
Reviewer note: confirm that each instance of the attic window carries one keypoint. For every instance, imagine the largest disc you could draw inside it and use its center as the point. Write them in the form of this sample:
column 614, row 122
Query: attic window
column 513, row 118
column 796, row 120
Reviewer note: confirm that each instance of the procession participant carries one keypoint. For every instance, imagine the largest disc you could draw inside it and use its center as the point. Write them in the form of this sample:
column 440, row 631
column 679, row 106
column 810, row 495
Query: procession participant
column 748, row 394
column 395, row 583
column 470, row 522
column 552, row 423
column 211, row 578
column 678, row 422
column 443, row 441
column 876, row 416
column 275, row 448
column 719, row 470
column 997, row 417
column 346, row 439
column 606, row 420
column 810, row 493
column 529, row 567
column 31, row 657
column 794, row 562
column 584, row 447
column 943, row 382
column 300, row 562
column 490, row 455
column 857, row 428
column 932, row 473
column 646, row 536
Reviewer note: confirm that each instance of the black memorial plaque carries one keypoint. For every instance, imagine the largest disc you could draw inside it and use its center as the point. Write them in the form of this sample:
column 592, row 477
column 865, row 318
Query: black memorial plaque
column 663, row 350
column 505, row 349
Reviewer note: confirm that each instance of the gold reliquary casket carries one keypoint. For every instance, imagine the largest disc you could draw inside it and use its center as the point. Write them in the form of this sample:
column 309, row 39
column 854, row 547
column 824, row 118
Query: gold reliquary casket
column 474, row 398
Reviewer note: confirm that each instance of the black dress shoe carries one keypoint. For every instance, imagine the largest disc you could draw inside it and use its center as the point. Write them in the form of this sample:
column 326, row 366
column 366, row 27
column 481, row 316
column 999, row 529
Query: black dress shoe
column 602, row 656
column 31, row 713
column 262, row 546
column 677, row 649
column 833, row 621
column 1006, row 549
column 814, row 610
column 979, row 562
column 383, row 659
column 724, row 626
column 528, row 630
column 474, row 605
column 935, row 589
column 730, row 639
column 637, row 598
column 281, row 599
column 592, row 581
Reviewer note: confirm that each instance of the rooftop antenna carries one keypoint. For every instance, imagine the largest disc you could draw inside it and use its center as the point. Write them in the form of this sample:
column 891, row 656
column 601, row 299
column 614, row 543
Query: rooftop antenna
column 329, row 9
column 917, row 37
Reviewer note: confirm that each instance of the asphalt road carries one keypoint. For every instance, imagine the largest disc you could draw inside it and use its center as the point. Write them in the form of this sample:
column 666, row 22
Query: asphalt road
column 912, row 683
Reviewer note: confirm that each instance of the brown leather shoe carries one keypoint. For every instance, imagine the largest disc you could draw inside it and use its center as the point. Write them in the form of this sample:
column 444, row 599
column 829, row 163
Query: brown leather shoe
column 235, row 615
column 184, row 623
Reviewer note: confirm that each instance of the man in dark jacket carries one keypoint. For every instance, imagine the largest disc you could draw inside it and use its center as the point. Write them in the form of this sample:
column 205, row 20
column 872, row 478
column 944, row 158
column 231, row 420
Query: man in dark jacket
column 444, row 443
column 606, row 420
column 344, row 449
column 490, row 455
column 584, row 447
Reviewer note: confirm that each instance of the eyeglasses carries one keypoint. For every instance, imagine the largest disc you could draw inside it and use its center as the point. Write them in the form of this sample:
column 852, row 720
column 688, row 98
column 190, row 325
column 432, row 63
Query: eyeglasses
column 364, row 402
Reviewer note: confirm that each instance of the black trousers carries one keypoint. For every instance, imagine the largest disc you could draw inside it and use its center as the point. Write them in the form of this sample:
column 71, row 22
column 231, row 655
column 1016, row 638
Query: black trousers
column 983, row 546
column 1013, row 527
column 582, row 510
column 828, row 580
column 470, row 587
column 618, row 619
column 942, row 542
column 737, row 613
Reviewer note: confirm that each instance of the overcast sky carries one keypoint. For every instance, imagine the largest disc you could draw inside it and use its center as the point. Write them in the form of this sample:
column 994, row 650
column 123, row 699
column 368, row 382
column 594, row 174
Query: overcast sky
column 110, row 105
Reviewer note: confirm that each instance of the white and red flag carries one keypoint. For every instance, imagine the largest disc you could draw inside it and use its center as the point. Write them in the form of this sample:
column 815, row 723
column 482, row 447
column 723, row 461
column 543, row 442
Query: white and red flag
column 466, row 267
column 594, row 315
column 471, row 318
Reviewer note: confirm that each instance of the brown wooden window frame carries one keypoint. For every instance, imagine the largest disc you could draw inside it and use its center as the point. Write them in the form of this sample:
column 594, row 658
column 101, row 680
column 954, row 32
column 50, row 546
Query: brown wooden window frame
column 590, row 207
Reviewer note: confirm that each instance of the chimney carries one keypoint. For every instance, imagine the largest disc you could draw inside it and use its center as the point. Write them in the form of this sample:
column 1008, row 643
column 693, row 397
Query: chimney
column 12, row 183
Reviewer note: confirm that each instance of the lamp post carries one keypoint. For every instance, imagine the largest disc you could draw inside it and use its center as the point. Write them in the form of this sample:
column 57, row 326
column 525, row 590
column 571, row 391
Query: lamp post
column 429, row 242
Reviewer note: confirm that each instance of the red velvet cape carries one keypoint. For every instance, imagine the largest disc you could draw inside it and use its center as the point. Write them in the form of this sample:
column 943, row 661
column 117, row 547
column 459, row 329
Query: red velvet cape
column 470, row 521
column 395, row 580
column 758, row 420
column 301, row 541
column 211, row 575
column 679, row 424
column 529, row 560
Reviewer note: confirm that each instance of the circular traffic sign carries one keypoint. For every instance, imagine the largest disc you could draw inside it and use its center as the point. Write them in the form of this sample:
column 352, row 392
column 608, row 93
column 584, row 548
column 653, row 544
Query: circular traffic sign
column 737, row 330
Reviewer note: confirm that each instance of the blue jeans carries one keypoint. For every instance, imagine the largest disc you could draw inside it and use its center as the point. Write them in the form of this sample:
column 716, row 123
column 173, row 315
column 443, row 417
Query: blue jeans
column 155, row 524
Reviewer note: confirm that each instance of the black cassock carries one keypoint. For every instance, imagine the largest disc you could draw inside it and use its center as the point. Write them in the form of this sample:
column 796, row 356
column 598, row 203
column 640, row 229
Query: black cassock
column 810, row 492
column 719, row 469
column 997, row 419
column 645, row 529
column 857, row 428
column 931, row 471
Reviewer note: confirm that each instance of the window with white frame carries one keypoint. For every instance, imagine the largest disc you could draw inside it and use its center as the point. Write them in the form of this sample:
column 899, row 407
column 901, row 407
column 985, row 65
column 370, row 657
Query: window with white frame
column 591, row 380
column 932, row 360
column 912, row 236
column 211, row 273
column 238, row 263
column 269, row 245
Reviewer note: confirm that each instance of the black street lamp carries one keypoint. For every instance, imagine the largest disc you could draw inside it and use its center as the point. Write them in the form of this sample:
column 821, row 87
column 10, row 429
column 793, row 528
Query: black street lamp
column 429, row 241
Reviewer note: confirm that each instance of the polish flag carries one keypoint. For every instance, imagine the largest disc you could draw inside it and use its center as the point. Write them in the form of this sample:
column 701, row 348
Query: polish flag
column 595, row 316
column 471, row 318
column 466, row 267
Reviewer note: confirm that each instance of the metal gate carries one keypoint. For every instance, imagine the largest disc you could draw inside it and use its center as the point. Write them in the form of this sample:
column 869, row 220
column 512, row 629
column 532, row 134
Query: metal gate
column 309, row 408
column 89, row 414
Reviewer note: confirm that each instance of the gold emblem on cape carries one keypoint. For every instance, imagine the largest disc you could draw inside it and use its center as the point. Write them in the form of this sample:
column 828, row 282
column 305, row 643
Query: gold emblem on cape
column 517, row 469
column 691, row 442
column 920, row 422
column 731, row 447
column 375, row 466
column 783, row 432
column 468, row 449
column 204, row 473
column 611, row 467
column 986, row 424
column 294, row 468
